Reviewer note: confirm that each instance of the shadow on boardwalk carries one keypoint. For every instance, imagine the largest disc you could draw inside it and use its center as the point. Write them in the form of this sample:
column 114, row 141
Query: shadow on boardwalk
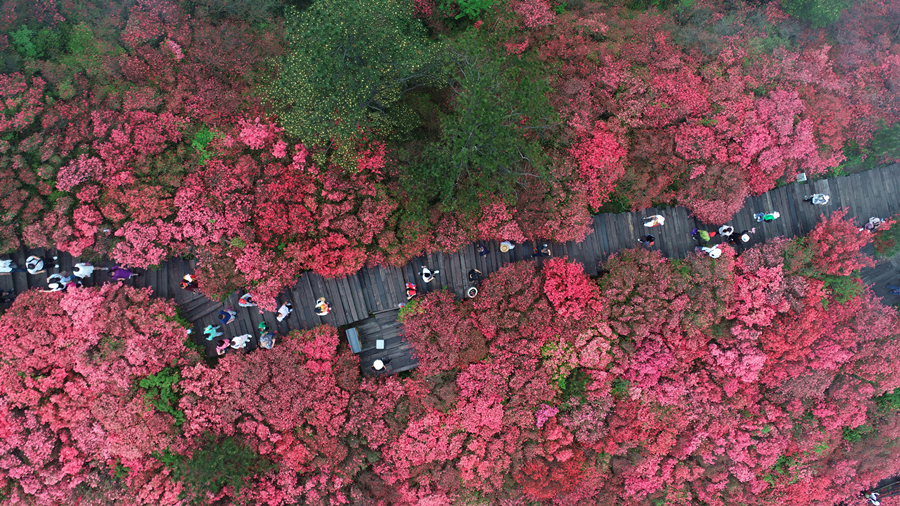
column 377, row 289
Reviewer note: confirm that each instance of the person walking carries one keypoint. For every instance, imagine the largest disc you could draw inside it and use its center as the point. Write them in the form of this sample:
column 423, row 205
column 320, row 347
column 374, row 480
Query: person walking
column 818, row 199
column 647, row 240
column 222, row 345
column 482, row 251
column 83, row 269
column 506, row 247
column 543, row 252
column 211, row 332
column 35, row 265
column 7, row 297
column 657, row 220
column 284, row 311
column 427, row 275
column 189, row 283
column 726, row 230
column 322, row 307
column 766, row 217
column 873, row 224
column 474, row 276
column 410, row 290
column 246, row 300
column 227, row 315
column 57, row 282
column 267, row 340
column 240, row 341
column 713, row 252
column 118, row 273
column 9, row 267
column 702, row 236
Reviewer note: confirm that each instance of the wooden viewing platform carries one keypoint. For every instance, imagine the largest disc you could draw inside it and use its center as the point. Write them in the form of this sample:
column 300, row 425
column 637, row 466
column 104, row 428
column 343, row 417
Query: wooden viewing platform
column 395, row 352
column 375, row 290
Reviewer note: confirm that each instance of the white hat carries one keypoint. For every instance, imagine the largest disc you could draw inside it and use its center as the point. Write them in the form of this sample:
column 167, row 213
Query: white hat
column 715, row 253
column 378, row 365
column 504, row 247
column 776, row 214
column 53, row 286
column 745, row 238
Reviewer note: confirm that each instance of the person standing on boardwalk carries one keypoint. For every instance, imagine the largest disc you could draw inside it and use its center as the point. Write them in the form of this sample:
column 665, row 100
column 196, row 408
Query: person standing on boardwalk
column 474, row 276
column 427, row 275
column 654, row 221
column 543, row 252
column 189, row 283
column 227, row 315
column 647, row 240
column 83, row 269
column 380, row 365
column 726, row 230
column 410, row 291
column 767, row 217
column 322, row 307
column 9, row 267
column 119, row 273
column 284, row 311
column 482, row 251
column 506, row 247
column 817, row 199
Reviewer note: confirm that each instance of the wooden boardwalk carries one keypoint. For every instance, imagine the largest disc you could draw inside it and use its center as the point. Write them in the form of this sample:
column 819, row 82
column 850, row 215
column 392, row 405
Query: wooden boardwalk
column 377, row 289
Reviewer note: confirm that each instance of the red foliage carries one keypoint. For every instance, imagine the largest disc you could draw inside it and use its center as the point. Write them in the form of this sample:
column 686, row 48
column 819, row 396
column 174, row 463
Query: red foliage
column 441, row 333
column 70, row 363
column 599, row 163
column 572, row 294
column 836, row 245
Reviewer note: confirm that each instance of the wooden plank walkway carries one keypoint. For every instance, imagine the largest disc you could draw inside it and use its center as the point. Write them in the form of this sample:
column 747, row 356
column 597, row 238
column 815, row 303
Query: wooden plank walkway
column 380, row 289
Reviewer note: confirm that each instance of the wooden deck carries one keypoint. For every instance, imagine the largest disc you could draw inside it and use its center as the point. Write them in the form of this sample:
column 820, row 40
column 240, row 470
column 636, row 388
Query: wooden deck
column 377, row 289
column 396, row 351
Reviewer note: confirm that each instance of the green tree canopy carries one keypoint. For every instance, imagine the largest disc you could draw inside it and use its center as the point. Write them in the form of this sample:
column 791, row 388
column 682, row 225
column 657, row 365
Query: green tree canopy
column 348, row 62
column 493, row 140
column 818, row 13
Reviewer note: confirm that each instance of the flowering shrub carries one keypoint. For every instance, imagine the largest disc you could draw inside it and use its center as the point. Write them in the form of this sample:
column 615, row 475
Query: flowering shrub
column 836, row 245
column 70, row 362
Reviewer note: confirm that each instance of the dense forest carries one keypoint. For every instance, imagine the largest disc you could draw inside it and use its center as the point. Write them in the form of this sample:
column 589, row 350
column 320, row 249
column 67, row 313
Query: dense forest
column 267, row 138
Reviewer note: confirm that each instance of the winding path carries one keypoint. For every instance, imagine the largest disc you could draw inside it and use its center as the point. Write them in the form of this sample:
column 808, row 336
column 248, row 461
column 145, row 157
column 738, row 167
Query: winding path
column 373, row 290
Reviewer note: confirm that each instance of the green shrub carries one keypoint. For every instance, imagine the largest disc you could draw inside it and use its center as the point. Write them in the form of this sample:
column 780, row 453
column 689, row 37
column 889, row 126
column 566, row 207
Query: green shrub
column 818, row 13
column 470, row 8
column 843, row 288
column 855, row 434
column 201, row 140
column 160, row 392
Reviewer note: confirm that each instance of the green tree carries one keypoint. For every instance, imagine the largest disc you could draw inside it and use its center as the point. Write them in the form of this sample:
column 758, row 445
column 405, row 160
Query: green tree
column 218, row 464
column 493, row 140
column 818, row 13
column 348, row 63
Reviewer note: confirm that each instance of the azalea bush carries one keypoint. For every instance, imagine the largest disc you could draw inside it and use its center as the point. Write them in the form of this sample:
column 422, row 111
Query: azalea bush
column 742, row 379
